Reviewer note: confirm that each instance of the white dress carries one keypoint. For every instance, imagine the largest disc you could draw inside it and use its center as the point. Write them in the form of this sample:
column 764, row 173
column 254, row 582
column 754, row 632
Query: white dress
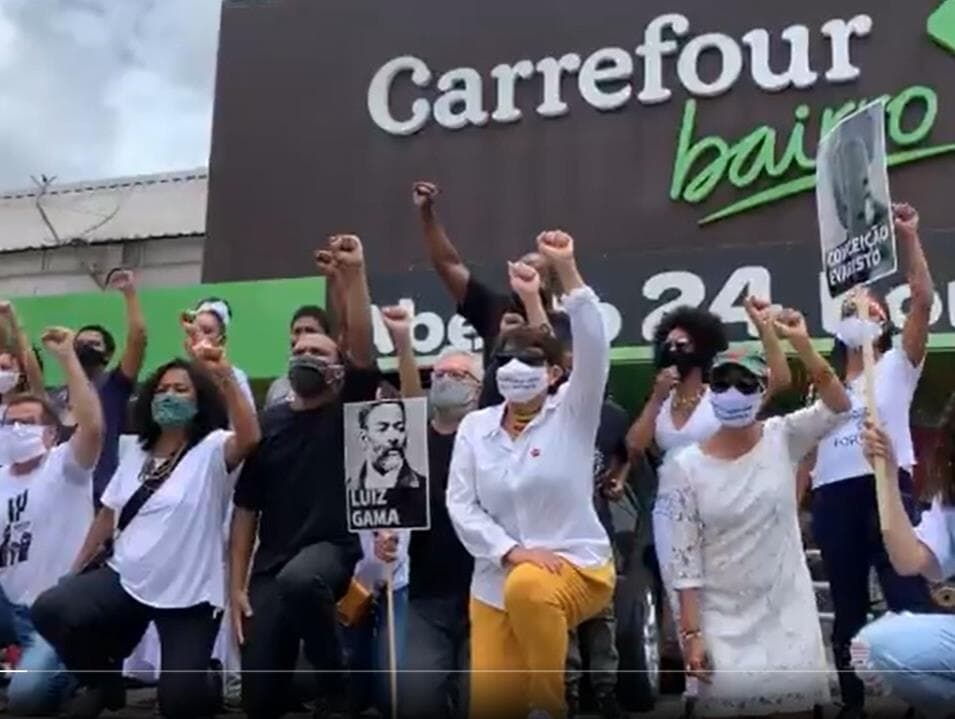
column 735, row 537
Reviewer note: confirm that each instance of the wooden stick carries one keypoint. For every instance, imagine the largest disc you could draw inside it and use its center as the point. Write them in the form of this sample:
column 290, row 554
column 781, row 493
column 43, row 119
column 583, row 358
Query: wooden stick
column 868, row 371
column 392, row 660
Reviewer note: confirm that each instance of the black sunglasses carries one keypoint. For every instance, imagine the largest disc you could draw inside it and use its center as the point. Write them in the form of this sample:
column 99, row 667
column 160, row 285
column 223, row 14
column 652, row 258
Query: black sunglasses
column 746, row 384
column 531, row 359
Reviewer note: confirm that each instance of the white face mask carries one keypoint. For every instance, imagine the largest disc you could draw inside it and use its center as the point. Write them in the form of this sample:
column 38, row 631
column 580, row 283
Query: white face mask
column 20, row 443
column 519, row 382
column 734, row 409
column 8, row 380
column 856, row 333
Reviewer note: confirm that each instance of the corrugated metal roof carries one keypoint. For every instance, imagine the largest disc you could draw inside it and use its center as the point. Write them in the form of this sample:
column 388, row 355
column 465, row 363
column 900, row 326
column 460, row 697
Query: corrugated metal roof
column 110, row 210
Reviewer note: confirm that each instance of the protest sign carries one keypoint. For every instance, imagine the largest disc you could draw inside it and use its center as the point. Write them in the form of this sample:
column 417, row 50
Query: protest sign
column 852, row 199
column 386, row 458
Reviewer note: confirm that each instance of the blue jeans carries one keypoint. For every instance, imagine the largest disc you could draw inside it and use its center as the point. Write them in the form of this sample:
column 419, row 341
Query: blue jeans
column 41, row 684
column 367, row 647
column 914, row 655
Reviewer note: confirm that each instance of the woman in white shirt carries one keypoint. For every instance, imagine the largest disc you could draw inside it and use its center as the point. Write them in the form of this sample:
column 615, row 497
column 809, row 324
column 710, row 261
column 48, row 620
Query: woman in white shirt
column 748, row 620
column 384, row 553
column 167, row 565
column 212, row 318
column 914, row 654
column 520, row 497
column 844, row 512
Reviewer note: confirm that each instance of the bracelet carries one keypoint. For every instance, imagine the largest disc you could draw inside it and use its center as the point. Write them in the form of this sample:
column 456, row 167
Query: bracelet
column 686, row 635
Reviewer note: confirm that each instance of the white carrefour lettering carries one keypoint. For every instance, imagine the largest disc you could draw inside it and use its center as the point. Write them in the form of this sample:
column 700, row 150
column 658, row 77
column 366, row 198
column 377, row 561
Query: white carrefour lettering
column 731, row 64
column 840, row 34
column 605, row 78
column 607, row 65
column 379, row 96
column 798, row 75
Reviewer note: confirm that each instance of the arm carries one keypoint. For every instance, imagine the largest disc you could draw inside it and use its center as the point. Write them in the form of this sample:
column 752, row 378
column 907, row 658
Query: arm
column 29, row 364
column 641, row 433
column 907, row 551
column 761, row 316
column 526, row 285
column 135, row 351
column 245, row 426
column 337, row 309
column 804, row 476
column 479, row 533
column 241, row 544
column 100, row 530
column 350, row 258
column 87, row 441
column 444, row 256
column 591, row 348
column 915, row 332
column 398, row 321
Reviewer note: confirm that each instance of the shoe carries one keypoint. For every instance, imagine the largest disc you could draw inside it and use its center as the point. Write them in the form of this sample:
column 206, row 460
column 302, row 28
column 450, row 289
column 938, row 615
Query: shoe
column 90, row 702
column 608, row 707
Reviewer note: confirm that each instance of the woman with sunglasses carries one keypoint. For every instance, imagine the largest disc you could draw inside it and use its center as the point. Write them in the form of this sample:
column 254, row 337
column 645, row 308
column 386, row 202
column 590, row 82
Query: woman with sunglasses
column 843, row 490
column 747, row 612
column 520, row 496
column 914, row 654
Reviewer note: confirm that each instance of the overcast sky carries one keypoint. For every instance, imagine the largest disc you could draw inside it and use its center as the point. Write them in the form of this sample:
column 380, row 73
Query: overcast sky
column 100, row 88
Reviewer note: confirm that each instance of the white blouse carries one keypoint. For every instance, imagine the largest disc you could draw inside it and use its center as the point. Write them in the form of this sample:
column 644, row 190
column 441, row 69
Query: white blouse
column 535, row 491
column 701, row 425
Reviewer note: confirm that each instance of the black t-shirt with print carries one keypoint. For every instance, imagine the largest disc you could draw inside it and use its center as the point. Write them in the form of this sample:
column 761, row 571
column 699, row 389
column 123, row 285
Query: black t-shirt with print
column 295, row 478
column 440, row 565
column 484, row 308
column 611, row 445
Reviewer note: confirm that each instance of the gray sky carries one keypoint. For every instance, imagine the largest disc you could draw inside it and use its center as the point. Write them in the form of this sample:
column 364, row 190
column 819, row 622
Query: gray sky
column 100, row 88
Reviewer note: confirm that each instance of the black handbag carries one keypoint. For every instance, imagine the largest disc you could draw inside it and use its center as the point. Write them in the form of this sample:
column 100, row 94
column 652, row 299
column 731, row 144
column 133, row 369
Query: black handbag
column 151, row 478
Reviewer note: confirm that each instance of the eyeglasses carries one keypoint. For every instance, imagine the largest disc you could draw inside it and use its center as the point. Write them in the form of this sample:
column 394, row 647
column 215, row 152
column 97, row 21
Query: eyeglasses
column 528, row 357
column 678, row 346
column 457, row 374
column 745, row 383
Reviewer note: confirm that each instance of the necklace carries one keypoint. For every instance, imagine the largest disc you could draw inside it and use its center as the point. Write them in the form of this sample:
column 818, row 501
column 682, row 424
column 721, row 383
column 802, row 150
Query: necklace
column 686, row 403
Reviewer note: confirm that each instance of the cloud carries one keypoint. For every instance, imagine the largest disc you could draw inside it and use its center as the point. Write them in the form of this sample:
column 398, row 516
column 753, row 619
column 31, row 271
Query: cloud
column 101, row 88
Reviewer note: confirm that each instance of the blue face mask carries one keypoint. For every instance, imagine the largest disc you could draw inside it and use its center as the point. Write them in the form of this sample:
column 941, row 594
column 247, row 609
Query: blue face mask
column 173, row 410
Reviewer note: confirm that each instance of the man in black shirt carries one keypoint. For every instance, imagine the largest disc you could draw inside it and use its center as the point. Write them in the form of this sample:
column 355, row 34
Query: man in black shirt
column 441, row 568
column 484, row 309
column 292, row 494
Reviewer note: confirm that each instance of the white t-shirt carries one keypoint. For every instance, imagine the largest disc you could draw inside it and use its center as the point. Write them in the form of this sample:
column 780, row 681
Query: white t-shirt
column 936, row 531
column 46, row 515
column 171, row 555
column 840, row 452
column 701, row 425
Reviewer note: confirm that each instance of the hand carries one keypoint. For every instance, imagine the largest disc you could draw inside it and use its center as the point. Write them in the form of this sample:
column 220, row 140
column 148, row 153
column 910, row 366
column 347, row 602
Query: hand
column 543, row 558
column 877, row 445
column 557, row 246
column 906, row 220
column 524, row 279
column 348, row 252
column 611, row 486
column 791, row 325
column 386, row 546
column 666, row 380
column 59, row 341
column 212, row 358
column 123, row 281
column 761, row 313
column 6, row 310
column 511, row 321
column 326, row 264
column 697, row 665
column 241, row 610
column 424, row 194
column 398, row 321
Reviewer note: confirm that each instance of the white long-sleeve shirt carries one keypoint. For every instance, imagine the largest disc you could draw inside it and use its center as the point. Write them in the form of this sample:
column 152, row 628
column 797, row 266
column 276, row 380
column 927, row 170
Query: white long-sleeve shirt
column 535, row 491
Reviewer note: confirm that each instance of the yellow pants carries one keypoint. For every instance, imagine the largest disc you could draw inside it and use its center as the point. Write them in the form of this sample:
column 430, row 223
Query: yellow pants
column 518, row 655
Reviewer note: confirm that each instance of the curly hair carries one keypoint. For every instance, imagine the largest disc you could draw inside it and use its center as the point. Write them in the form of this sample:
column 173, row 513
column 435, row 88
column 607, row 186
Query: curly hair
column 941, row 479
column 704, row 328
column 210, row 407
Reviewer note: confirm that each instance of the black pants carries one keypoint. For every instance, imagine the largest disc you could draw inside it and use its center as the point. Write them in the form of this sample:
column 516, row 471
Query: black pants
column 845, row 523
column 94, row 625
column 434, row 678
column 298, row 604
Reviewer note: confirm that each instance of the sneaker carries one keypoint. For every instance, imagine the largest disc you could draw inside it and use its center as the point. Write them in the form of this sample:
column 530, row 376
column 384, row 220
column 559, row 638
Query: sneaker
column 608, row 707
column 90, row 702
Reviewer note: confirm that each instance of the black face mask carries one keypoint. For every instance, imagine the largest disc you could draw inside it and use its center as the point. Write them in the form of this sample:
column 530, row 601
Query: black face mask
column 671, row 355
column 310, row 376
column 91, row 358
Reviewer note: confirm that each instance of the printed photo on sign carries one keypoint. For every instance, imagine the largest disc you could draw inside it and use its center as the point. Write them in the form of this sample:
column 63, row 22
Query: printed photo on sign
column 852, row 199
column 386, row 461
